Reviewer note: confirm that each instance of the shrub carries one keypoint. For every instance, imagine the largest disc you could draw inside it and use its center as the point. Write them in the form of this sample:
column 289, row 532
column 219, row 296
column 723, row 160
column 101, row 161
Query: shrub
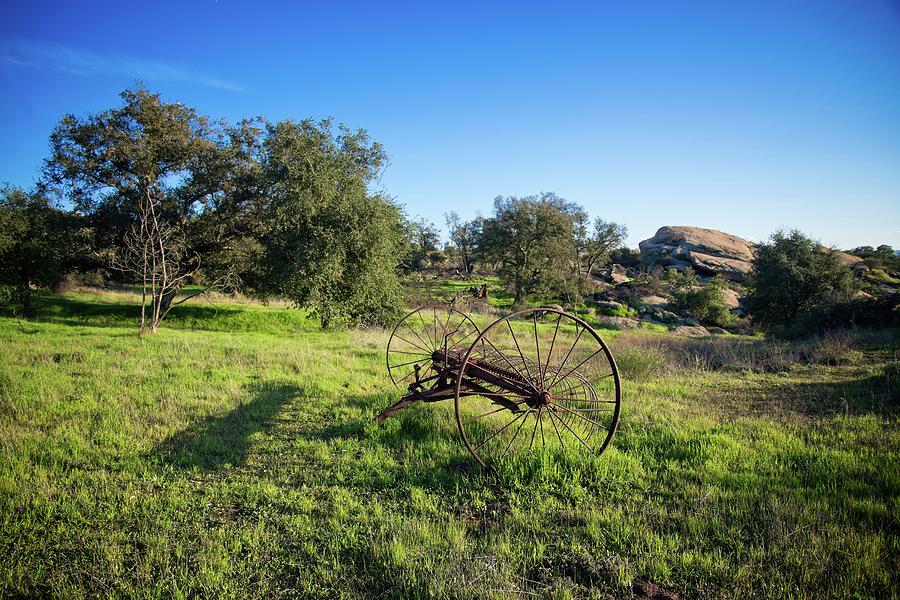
column 875, row 312
column 622, row 310
column 792, row 277
column 705, row 302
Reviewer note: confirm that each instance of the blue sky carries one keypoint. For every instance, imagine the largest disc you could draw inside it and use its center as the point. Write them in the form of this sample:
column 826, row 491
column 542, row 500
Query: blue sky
column 744, row 117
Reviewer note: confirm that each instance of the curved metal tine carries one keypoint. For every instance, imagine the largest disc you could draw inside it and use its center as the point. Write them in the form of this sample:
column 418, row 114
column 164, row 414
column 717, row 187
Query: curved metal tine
column 435, row 321
column 412, row 353
column 444, row 333
column 457, row 343
column 406, row 364
column 566, row 425
column 561, row 442
column 415, row 333
column 575, row 368
column 522, row 356
column 550, row 352
column 580, row 416
column 569, row 353
column 501, row 430
column 490, row 412
column 515, row 435
column 506, row 358
column 413, row 344
column 584, row 400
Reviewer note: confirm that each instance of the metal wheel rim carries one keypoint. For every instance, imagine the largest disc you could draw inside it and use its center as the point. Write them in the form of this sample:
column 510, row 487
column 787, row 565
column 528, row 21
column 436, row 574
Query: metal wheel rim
column 397, row 381
column 479, row 341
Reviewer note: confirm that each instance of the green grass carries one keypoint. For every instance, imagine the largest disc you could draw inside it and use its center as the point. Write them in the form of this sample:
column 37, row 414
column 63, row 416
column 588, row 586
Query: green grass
column 218, row 459
column 445, row 290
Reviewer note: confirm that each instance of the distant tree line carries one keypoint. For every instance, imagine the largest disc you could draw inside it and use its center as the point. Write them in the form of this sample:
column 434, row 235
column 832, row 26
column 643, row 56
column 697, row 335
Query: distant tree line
column 155, row 194
column 540, row 245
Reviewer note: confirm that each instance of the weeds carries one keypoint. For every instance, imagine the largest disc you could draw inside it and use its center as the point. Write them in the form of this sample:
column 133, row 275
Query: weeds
column 641, row 355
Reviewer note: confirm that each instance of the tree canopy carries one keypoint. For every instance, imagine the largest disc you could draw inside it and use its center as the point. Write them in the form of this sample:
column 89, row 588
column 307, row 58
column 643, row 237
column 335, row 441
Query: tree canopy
column 793, row 276
column 531, row 239
column 330, row 244
column 280, row 208
column 38, row 244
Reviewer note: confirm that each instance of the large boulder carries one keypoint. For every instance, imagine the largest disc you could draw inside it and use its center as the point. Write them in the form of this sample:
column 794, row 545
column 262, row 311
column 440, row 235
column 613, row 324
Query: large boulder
column 849, row 260
column 707, row 251
column 691, row 330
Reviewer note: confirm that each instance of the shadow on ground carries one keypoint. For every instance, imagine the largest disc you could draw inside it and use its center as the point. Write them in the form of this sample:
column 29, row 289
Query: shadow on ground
column 225, row 440
column 874, row 394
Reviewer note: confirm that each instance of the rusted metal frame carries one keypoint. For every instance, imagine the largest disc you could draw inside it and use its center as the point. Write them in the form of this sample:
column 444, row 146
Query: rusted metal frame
column 495, row 376
column 446, row 391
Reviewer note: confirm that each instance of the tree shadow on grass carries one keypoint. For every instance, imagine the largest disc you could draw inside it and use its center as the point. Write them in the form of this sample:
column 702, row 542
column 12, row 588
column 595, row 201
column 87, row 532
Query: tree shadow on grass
column 222, row 440
column 877, row 395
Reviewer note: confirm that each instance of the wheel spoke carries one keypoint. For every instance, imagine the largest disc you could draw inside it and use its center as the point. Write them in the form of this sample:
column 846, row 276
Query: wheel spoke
column 561, row 442
column 501, row 430
column 424, row 354
column 537, row 348
column 518, row 372
column 405, row 377
column 580, row 416
column 534, row 430
column 522, row 356
column 541, row 424
column 550, row 351
column 575, row 368
column 424, row 326
column 434, row 324
column 491, row 412
column 513, row 438
column 566, row 425
column 412, row 362
column 501, row 394
column 424, row 345
column 587, row 400
column 425, row 350
column 457, row 343
column 569, row 353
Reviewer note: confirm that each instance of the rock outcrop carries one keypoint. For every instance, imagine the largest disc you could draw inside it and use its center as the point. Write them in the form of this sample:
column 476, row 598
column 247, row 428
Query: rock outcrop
column 849, row 260
column 707, row 251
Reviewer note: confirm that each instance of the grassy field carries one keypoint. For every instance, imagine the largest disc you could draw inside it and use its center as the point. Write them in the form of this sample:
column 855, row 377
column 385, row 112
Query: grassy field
column 218, row 459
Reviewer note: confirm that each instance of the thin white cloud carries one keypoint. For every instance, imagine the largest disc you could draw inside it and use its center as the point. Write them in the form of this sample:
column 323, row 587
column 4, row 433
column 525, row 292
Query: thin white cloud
column 76, row 61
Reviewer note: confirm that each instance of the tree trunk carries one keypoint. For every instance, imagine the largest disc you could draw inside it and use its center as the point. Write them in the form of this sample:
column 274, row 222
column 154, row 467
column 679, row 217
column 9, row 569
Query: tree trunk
column 165, row 302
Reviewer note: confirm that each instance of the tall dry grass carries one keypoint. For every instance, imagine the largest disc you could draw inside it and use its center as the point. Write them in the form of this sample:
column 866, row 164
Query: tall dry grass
column 639, row 355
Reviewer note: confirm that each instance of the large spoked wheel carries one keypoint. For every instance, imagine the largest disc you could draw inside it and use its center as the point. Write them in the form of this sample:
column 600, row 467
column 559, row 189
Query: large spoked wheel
column 419, row 336
column 538, row 378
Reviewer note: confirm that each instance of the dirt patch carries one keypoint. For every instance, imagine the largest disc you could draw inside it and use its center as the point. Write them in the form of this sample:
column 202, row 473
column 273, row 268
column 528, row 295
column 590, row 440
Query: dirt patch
column 644, row 588
column 484, row 518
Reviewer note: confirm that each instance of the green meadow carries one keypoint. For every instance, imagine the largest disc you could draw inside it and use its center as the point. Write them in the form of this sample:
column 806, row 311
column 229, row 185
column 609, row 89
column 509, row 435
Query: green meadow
column 230, row 456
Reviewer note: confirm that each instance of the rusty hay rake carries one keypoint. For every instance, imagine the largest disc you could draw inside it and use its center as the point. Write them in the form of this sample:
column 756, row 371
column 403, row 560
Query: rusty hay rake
column 539, row 377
